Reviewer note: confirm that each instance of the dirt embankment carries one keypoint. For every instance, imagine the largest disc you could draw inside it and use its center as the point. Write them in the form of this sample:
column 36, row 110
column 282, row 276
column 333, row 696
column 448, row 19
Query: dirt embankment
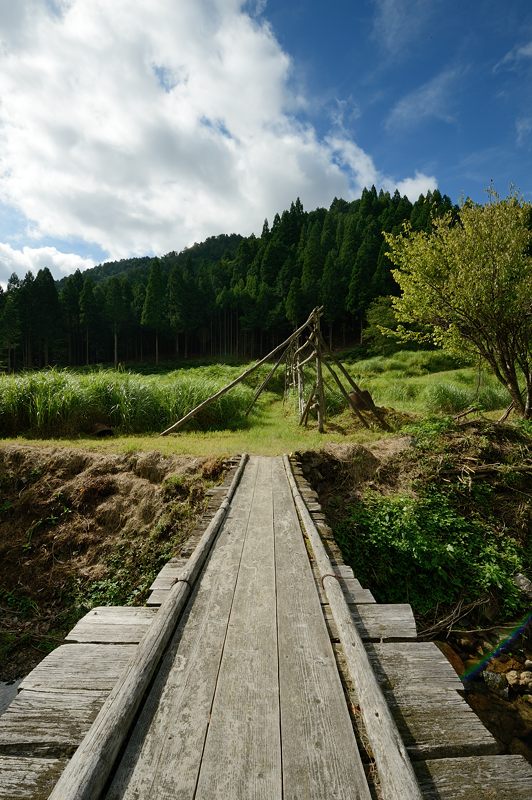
column 78, row 529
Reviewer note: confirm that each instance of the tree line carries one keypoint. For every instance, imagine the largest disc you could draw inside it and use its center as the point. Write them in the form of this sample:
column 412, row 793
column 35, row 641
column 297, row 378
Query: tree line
column 230, row 296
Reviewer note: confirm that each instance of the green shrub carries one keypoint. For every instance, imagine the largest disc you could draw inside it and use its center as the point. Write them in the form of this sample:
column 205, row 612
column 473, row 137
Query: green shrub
column 422, row 551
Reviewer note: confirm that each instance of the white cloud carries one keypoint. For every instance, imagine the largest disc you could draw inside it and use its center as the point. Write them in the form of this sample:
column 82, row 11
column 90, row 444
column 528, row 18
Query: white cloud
column 32, row 259
column 432, row 99
column 523, row 127
column 145, row 125
column 419, row 184
column 514, row 57
column 398, row 22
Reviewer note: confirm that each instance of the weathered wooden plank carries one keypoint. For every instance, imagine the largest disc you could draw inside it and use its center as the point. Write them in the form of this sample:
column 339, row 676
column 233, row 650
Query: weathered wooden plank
column 80, row 666
column 242, row 755
column 320, row 756
column 28, row 778
column 412, row 666
column 395, row 771
column 162, row 758
column 86, row 774
column 476, row 778
column 112, row 625
column 168, row 573
column 378, row 622
column 433, row 720
column 48, row 723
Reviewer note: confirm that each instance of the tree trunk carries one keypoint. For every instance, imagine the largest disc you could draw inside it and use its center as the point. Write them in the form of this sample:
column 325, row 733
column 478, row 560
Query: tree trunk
column 87, row 346
column 116, row 346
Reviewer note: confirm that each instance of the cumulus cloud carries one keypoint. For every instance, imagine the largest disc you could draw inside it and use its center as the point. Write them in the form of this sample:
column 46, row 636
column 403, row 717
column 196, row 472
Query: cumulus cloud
column 145, row 125
column 431, row 100
column 32, row 259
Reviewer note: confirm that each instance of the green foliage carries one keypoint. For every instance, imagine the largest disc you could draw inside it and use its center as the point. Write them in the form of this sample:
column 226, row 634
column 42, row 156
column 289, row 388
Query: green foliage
column 424, row 551
column 470, row 280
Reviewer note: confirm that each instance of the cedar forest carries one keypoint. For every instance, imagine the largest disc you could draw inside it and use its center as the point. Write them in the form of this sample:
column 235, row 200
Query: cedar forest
column 230, row 296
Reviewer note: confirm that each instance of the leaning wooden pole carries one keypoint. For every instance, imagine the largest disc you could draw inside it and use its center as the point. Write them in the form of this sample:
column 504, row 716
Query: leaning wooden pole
column 377, row 414
column 266, row 381
column 240, row 378
column 395, row 771
column 346, row 394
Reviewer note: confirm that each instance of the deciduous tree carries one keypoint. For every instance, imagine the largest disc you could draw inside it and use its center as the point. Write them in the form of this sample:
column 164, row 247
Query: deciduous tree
column 470, row 280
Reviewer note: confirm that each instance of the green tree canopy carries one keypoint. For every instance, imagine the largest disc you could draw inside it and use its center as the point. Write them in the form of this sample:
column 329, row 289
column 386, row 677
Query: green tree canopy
column 470, row 280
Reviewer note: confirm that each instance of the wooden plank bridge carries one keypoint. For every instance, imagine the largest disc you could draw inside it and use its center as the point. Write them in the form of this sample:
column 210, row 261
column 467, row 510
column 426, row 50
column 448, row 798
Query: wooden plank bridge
column 245, row 678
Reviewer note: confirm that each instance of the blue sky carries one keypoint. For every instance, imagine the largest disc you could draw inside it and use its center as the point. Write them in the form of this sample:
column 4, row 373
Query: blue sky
column 141, row 126
column 440, row 87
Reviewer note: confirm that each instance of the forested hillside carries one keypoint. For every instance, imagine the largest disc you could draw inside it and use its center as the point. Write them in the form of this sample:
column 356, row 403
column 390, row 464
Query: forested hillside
column 228, row 296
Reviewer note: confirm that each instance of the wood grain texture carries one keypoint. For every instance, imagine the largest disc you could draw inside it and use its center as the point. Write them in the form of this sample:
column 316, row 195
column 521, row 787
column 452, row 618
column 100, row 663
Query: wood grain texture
column 378, row 622
column 80, row 666
column 412, row 666
column 395, row 771
column 162, row 759
column 112, row 625
column 242, row 755
column 48, row 723
column 88, row 771
column 320, row 755
column 28, row 778
column 476, row 778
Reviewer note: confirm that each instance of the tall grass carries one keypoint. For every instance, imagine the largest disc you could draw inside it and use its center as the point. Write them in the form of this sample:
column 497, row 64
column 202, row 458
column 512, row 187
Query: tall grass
column 54, row 402
column 428, row 381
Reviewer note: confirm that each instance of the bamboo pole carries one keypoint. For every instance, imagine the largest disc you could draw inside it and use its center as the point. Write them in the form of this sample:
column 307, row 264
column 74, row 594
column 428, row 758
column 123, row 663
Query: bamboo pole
column 396, row 775
column 240, row 378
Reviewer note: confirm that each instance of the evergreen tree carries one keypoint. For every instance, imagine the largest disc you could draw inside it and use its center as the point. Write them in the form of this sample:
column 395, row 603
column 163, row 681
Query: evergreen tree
column 153, row 312
column 48, row 320
column 88, row 313
column 115, row 311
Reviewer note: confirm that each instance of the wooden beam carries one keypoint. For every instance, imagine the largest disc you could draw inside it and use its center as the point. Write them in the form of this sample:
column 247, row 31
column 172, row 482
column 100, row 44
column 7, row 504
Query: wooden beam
column 266, row 380
column 240, row 378
column 376, row 413
column 396, row 775
column 304, row 415
column 340, row 385
column 86, row 773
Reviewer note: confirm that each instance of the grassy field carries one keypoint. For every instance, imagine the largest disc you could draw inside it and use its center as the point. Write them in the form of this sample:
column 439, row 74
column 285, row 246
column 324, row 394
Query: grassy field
column 52, row 404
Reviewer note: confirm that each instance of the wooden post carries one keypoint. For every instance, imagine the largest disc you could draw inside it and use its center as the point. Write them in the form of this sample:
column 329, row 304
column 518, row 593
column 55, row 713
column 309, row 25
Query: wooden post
column 319, row 379
column 396, row 775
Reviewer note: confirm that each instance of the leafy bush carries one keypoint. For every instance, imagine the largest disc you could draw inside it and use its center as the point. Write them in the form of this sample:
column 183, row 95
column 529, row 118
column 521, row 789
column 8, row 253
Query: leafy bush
column 424, row 551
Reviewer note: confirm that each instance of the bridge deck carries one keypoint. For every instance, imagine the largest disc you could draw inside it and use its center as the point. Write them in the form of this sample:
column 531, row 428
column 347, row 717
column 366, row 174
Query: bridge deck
column 249, row 702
